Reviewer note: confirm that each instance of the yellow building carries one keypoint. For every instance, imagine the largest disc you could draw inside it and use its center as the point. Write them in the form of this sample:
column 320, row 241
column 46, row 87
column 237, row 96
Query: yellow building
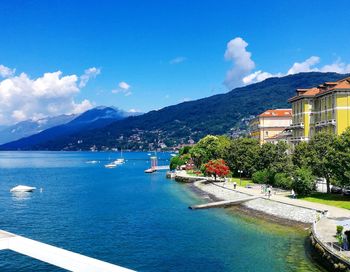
column 270, row 124
column 322, row 108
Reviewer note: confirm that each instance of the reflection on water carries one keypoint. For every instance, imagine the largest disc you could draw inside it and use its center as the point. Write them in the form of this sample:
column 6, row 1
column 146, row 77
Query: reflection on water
column 21, row 196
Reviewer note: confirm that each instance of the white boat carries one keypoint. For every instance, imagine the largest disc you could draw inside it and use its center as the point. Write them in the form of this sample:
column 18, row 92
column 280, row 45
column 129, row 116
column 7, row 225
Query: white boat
column 92, row 162
column 150, row 170
column 22, row 188
column 111, row 165
column 119, row 161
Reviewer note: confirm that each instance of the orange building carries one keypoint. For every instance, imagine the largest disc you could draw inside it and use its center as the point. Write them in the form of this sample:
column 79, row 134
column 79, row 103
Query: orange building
column 270, row 123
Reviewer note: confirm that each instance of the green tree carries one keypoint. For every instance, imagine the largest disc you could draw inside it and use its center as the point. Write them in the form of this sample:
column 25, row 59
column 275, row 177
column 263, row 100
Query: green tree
column 263, row 177
column 274, row 157
column 243, row 154
column 341, row 160
column 283, row 180
column 322, row 154
column 176, row 162
column 209, row 148
column 303, row 181
column 185, row 150
column 301, row 155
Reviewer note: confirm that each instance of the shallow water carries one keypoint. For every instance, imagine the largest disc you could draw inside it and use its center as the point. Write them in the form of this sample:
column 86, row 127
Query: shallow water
column 137, row 220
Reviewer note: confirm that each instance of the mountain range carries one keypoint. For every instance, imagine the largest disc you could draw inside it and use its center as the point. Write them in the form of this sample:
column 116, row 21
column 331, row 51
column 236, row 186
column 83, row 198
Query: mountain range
column 183, row 123
column 92, row 119
column 30, row 127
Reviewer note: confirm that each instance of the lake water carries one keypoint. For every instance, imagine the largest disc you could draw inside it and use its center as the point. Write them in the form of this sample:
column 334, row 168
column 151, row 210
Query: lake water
column 137, row 220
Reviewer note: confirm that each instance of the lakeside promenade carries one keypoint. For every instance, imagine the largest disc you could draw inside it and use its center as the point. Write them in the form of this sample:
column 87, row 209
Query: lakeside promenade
column 323, row 218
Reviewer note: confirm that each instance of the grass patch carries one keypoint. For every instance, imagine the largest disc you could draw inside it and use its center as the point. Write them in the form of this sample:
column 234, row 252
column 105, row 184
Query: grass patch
column 194, row 173
column 242, row 182
column 329, row 199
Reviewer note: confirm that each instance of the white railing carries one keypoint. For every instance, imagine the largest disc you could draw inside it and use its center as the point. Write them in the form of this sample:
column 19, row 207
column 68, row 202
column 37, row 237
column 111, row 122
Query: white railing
column 325, row 123
column 56, row 256
column 297, row 125
column 299, row 138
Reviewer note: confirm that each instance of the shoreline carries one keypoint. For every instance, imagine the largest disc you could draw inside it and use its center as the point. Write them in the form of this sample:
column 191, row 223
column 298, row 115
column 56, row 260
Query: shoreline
column 249, row 211
column 317, row 221
column 276, row 210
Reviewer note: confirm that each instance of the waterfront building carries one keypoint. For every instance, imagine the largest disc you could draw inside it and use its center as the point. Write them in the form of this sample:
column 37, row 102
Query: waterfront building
column 284, row 136
column 322, row 108
column 269, row 124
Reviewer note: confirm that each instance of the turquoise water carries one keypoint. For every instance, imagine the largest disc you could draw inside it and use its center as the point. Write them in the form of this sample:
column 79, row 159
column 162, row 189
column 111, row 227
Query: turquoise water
column 137, row 220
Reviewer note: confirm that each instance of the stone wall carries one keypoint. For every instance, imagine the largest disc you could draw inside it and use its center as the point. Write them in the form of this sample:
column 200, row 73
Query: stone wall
column 326, row 257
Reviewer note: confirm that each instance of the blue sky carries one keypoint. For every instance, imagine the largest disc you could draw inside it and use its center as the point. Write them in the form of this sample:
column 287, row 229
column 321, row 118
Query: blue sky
column 165, row 51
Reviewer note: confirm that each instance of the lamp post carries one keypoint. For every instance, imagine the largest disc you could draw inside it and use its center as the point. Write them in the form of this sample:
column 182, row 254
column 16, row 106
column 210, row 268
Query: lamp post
column 240, row 176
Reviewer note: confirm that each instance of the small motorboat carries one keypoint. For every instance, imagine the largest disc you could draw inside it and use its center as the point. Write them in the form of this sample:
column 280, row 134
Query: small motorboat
column 111, row 165
column 119, row 161
column 22, row 188
column 92, row 162
column 150, row 170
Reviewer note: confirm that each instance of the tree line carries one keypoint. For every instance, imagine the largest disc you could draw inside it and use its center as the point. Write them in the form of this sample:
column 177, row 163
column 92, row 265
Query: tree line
column 325, row 156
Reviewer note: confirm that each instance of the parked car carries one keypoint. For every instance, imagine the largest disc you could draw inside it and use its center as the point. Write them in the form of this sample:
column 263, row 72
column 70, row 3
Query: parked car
column 346, row 191
column 336, row 190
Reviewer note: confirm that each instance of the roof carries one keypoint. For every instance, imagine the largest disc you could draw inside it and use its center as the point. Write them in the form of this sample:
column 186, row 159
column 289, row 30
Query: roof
column 312, row 92
column 277, row 113
column 322, row 89
column 343, row 85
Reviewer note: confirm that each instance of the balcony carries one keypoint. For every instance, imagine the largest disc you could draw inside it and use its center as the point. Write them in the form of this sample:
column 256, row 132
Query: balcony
column 297, row 125
column 299, row 139
column 325, row 123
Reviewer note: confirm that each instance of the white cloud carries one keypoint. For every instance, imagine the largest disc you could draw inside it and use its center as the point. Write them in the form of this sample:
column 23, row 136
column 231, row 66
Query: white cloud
column 124, row 88
column 338, row 66
column 134, row 110
column 82, row 107
column 22, row 97
column 242, row 64
column 19, row 115
column 257, row 77
column 6, row 72
column 242, row 71
column 88, row 73
column 177, row 60
column 123, row 85
column 305, row 66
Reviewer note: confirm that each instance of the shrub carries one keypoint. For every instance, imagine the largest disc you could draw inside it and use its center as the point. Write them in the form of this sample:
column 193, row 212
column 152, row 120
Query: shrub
column 283, row 180
column 303, row 181
column 339, row 229
column 176, row 162
column 263, row 177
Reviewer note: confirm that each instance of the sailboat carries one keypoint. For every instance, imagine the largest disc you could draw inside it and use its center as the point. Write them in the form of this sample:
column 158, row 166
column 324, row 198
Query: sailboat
column 121, row 160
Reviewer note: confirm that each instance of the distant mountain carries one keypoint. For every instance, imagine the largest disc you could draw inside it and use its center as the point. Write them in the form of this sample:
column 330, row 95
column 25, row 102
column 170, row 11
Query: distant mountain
column 92, row 119
column 30, row 127
column 185, row 122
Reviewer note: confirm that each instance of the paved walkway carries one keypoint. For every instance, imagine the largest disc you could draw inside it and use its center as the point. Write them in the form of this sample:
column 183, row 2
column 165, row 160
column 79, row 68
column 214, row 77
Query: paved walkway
column 284, row 197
